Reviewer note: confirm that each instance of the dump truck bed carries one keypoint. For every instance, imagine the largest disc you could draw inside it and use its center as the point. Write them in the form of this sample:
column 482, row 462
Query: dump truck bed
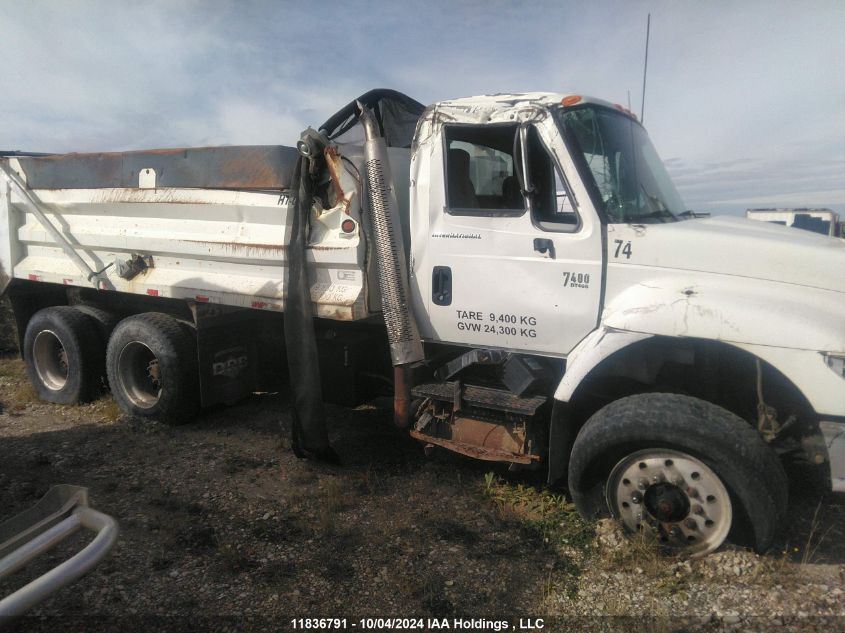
column 209, row 225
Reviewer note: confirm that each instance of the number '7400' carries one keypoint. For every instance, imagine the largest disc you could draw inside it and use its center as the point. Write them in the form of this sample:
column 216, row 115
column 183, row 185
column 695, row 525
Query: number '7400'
column 622, row 247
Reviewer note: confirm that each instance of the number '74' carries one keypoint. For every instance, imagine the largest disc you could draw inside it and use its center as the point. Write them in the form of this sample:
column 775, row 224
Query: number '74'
column 625, row 250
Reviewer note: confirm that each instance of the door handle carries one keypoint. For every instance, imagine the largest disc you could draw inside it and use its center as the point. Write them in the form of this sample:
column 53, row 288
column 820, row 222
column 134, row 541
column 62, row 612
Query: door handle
column 544, row 245
column 441, row 286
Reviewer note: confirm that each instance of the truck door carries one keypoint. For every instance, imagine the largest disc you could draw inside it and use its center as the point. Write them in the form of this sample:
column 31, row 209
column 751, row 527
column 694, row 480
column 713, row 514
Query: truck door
column 503, row 267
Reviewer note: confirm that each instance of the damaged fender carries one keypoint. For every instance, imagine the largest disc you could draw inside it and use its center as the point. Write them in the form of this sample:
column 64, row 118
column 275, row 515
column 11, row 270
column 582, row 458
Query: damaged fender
column 592, row 350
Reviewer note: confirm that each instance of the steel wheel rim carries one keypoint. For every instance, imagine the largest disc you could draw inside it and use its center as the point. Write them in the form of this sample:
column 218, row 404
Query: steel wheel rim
column 676, row 495
column 138, row 373
column 50, row 360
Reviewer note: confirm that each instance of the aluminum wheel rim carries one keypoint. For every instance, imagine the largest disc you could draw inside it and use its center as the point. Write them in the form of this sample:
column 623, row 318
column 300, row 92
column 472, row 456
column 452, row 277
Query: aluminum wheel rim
column 138, row 372
column 674, row 494
column 50, row 359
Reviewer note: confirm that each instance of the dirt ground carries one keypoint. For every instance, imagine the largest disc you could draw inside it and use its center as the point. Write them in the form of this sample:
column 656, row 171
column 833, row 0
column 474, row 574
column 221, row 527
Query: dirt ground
column 223, row 528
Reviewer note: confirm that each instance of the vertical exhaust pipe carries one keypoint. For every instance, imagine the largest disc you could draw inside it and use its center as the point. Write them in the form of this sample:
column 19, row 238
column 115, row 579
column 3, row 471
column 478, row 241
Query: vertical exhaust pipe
column 402, row 331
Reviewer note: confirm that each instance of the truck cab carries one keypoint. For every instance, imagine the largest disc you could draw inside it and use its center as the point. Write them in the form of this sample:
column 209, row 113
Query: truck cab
column 545, row 226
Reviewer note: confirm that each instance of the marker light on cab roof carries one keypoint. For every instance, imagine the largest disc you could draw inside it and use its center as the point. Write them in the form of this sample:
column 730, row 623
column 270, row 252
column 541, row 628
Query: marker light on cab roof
column 622, row 108
column 570, row 100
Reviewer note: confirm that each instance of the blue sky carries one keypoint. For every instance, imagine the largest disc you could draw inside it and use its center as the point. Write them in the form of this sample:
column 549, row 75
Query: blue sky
column 745, row 100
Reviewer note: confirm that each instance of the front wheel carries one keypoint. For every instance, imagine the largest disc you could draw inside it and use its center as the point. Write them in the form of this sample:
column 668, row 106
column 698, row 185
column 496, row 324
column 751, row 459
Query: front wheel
column 675, row 494
column 692, row 472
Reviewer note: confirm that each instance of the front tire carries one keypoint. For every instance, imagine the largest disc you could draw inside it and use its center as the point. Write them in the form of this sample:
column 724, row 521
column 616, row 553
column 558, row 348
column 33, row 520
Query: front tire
column 152, row 368
column 692, row 471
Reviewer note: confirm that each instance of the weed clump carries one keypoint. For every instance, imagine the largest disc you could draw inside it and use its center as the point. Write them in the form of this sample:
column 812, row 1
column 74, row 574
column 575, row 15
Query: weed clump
column 550, row 515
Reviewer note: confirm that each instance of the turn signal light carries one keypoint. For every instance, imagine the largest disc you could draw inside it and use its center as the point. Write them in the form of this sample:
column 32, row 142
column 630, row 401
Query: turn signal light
column 347, row 226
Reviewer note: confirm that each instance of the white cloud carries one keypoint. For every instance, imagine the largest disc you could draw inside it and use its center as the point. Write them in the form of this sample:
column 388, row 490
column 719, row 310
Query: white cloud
column 746, row 97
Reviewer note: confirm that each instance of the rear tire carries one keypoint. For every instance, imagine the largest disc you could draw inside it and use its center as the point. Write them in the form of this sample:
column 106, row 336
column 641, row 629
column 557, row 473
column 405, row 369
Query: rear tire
column 104, row 322
column 667, row 461
column 63, row 356
column 152, row 368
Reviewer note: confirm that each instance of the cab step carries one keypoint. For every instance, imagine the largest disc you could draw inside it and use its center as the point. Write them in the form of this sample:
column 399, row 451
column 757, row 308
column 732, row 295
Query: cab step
column 475, row 395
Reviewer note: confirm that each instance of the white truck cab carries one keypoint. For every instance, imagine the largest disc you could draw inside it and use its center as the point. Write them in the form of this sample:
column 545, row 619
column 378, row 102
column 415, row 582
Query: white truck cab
column 543, row 304
column 566, row 243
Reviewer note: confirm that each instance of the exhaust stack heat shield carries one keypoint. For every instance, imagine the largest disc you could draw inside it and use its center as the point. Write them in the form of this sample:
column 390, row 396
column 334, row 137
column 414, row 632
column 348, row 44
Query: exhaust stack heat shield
column 402, row 331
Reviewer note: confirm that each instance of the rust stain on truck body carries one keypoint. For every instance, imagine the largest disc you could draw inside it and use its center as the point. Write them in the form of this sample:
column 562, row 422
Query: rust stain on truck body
column 255, row 167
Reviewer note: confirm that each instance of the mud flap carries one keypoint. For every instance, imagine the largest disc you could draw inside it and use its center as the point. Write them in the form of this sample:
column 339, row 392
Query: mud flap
column 309, row 435
column 562, row 434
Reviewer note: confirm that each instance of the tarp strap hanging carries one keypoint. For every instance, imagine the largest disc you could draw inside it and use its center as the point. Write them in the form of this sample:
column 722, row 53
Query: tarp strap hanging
column 309, row 435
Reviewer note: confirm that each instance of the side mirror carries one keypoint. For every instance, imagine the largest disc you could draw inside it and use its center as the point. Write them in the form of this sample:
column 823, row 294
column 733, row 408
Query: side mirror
column 521, row 165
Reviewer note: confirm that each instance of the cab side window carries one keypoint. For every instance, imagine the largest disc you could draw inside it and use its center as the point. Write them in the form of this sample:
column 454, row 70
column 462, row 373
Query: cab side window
column 480, row 177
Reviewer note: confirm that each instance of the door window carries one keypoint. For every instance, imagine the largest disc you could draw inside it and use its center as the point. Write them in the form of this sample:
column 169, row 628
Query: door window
column 480, row 177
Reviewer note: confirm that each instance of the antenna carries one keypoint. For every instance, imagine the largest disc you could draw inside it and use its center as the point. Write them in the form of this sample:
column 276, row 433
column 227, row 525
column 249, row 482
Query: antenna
column 645, row 66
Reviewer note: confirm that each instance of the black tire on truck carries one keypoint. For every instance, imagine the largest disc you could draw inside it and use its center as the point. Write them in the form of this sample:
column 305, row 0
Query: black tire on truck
column 104, row 323
column 692, row 471
column 63, row 355
column 152, row 368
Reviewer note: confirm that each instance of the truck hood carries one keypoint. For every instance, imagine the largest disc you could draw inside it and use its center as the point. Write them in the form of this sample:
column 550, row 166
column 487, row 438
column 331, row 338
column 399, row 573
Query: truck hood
column 728, row 279
column 737, row 247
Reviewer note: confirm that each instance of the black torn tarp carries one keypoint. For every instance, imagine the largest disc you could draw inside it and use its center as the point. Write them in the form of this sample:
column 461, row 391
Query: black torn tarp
column 309, row 435
column 396, row 114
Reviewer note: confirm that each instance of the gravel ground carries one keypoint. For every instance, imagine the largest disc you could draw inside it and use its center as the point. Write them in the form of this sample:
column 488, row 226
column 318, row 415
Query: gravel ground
column 223, row 528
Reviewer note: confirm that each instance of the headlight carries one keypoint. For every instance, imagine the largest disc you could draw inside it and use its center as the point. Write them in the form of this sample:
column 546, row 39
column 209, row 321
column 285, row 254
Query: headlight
column 836, row 362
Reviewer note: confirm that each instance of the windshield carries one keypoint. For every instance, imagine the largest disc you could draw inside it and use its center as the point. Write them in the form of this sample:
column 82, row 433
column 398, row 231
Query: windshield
column 627, row 171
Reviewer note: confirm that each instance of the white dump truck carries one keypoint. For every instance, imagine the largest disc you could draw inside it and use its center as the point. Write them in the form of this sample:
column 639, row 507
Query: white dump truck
column 511, row 267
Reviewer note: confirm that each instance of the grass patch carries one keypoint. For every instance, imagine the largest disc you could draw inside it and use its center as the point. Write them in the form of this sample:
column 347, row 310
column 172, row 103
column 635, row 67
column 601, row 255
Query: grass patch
column 554, row 520
column 12, row 368
column 551, row 516
column 639, row 551
column 814, row 539
column 22, row 395
column 369, row 482
column 110, row 409
column 428, row 587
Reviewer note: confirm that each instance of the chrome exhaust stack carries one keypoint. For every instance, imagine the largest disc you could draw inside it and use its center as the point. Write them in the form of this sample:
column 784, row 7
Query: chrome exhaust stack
column 402, row 331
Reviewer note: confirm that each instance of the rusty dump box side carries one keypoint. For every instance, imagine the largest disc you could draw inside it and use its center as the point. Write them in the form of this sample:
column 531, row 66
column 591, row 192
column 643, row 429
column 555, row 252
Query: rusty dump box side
column 234, row 167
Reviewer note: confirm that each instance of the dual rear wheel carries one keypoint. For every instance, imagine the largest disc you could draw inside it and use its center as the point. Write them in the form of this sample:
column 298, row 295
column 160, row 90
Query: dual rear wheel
column 149, row 360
